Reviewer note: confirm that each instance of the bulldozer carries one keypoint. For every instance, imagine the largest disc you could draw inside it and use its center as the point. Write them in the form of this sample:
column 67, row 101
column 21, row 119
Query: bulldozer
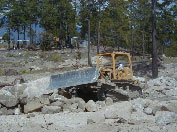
column 109, row 78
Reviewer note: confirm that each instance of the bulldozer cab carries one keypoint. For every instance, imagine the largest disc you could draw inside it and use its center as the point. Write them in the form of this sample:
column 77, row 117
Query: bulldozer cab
column 116, row 66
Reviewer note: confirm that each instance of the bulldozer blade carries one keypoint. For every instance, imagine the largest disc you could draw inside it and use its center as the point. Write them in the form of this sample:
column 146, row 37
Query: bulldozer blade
column 74, row 78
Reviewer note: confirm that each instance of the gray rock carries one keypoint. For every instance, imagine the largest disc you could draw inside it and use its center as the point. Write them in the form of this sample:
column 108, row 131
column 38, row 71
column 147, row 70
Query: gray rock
column 73, row 107
column 90, row 121
column 108, row 101
column 159, row 108
column 16, row 90
column 51, row 109
column 44, row 99
column 165, row 117
column 7, row 98
column 96, row 117
column 172, row 107
column 137, row 107
column 5, row 111
column 91, row 106
column 55, row 97
column 66, row 106
column 57, row 103
column 118, row 110
column 148, row 111
column 81, row 103
column 111, row 114
column 33, row 105
column 30, row 115
column 101, row 103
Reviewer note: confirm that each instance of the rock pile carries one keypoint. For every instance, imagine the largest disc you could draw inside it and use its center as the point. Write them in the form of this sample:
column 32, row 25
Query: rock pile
column 24, row 98
column 161, row 87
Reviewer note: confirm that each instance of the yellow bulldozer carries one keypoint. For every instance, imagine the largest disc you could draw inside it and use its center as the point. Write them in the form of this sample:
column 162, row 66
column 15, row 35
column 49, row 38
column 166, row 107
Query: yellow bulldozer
column 111, row 77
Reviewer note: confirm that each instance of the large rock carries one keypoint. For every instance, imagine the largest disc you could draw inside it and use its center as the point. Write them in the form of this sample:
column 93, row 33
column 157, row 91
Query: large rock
column 108, row 101
column 33, row 105
column 5, row 111
column 51, row 109
column 74, row 107
column 100, row 104
column 7, row 98
column 172, row 106
column 16, row 90
column 118, row 110
column 138, row 105
column 165, row 117
column 91, row 106
column 37, row 88
column 81, row 103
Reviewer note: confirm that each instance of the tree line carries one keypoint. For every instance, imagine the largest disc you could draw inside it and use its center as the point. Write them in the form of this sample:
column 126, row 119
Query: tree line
column 116, row 23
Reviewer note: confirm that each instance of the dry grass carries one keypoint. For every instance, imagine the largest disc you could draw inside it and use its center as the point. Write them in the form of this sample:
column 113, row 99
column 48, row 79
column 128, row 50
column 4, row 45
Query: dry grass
column 170, row 60
column 53, row 56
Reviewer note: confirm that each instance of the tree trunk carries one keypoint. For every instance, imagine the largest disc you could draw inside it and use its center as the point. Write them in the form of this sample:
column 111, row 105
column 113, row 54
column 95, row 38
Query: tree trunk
column 9, row 40
column 30, row 35
column 35, row 37
column 98, row 44
column 143, row 44
column 132, row 43
column 154, row 52
column 18, row 45
column 89, row 60
column 24, row 33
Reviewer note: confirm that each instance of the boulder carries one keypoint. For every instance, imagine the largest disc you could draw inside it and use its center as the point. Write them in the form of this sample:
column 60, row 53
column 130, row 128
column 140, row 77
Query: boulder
column 165, row 117
column 5, row 111
column 96, row 117
column 138, row 105
column 80, row 102
column 91, row 106
column 172, row 106
column 33, row 105
column 16, row 90
column 7, row 98
column 44, row 99
column 108, row 101
column 51, row 109
column 73, row 107
column 118, row 110
column 100, row 104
